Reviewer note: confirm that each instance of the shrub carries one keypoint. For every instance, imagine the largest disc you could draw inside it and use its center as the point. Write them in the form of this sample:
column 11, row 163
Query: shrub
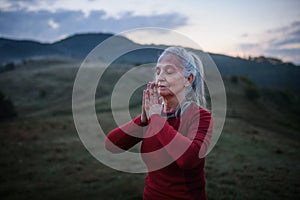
column 234, row 79
column 42, row 93
column 7, row 108
column 7, row 67
column 252, row 92
column 247, row 81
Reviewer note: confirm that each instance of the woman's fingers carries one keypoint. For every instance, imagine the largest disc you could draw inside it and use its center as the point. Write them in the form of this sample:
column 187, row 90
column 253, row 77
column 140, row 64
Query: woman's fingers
column 155, row 94
column 150, row 85
column 151, row 100
column 151, row 94
column 144, row 97
column 144, row 117
column 147, row 99
column 151, row 88
column 160, row 100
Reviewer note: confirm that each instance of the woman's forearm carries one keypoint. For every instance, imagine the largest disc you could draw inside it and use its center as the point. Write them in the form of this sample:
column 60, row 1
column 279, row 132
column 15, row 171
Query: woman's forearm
column 123, row 138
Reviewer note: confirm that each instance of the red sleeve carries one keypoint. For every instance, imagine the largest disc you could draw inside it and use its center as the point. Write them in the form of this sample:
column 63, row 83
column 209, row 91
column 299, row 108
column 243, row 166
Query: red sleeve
column 194, row 143
column 124, row 137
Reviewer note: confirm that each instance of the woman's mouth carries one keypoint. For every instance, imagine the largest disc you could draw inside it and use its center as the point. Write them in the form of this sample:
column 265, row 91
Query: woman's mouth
column 162, row 87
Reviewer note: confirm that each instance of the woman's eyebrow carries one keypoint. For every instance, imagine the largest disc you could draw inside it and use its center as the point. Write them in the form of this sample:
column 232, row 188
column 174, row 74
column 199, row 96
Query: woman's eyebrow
column 164, row 66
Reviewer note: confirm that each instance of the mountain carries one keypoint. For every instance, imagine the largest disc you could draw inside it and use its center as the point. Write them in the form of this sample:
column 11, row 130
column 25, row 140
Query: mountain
column 80, row 45
column 76, row 46
column 266, row 72
column 262, row 71
column 12, row 50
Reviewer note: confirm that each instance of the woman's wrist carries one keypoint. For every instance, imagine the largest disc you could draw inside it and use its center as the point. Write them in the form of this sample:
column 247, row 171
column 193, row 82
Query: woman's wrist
column 144, row 120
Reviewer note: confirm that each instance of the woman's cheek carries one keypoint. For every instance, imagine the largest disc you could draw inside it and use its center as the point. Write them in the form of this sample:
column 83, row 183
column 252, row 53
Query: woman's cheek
column 164, row 92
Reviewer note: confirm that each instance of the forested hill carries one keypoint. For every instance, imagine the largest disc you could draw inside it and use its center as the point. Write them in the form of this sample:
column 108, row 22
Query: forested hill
column 266, row 72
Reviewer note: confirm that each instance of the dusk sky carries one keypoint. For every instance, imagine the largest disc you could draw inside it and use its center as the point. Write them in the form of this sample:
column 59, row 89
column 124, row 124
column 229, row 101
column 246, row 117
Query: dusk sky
column 232, row 27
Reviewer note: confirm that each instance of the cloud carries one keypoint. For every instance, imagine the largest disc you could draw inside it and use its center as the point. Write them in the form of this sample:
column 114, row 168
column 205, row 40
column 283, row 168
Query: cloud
column 45, row 25
column 53, row 24
column 248, row 46
column 21, row 4
column 244, row 35
column 282, row 42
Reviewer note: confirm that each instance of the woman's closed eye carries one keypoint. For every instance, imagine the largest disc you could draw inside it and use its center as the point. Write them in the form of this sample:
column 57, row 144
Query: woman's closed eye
column 157, row 71
column 170, row 71
column 167, row 70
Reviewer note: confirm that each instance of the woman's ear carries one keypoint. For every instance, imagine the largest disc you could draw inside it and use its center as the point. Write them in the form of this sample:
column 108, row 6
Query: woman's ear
column 190, row 78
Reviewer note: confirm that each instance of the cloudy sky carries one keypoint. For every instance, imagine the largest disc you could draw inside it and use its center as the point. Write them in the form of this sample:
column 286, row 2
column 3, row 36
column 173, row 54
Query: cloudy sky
column 231, row 27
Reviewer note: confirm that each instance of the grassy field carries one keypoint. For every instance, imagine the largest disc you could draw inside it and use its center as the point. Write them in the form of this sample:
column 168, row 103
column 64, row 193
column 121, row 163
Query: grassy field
column 42, row 156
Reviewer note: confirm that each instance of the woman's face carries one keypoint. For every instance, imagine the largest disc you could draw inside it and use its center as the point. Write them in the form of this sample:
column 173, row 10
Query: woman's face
column 169, row 77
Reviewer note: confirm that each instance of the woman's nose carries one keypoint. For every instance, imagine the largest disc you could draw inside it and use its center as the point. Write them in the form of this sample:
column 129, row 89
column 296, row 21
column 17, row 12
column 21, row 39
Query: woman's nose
column 160, row 77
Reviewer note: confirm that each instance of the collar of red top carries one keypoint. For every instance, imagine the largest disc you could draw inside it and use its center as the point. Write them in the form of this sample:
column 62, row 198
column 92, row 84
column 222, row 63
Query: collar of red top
column 178, row 112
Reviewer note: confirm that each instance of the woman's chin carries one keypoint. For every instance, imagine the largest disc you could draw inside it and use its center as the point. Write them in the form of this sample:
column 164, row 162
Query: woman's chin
column 164, row 93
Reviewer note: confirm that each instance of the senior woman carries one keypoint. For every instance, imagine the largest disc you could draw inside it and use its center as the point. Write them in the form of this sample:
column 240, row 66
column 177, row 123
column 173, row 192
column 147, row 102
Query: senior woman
column 176, row 129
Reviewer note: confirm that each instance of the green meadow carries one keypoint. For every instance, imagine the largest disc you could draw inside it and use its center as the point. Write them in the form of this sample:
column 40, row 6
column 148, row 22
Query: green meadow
column 42, row 157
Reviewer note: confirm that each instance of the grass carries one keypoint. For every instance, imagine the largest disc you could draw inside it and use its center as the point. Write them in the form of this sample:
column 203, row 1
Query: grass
column 42, row 156
column 47, row 159
column 248, row 165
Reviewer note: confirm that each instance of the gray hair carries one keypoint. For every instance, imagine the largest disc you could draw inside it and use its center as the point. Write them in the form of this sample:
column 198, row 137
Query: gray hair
column 191, row 64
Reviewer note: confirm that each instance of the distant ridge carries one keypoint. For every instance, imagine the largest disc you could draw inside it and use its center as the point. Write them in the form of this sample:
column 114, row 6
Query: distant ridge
column 266, row 72
column 75, row 46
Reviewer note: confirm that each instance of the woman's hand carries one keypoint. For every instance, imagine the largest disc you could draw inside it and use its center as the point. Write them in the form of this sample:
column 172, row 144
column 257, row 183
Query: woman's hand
column 151, row 102
column 144, row 118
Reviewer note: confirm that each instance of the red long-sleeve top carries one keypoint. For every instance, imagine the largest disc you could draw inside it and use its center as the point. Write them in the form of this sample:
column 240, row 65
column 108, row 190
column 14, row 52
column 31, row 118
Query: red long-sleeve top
column 173, row 148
